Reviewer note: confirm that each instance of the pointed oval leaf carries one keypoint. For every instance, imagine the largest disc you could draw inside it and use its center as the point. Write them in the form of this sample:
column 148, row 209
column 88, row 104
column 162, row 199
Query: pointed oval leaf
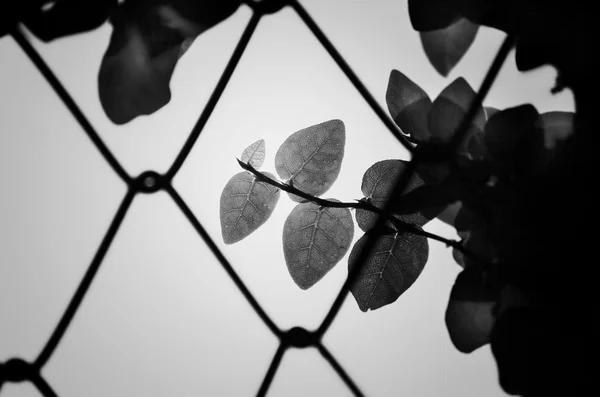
column 449, row 109
column 255, row 154
column 408, row 105
column 315, row 239
column 469, row 315
column 445, row 47
column 377, row 185
column 310, row 159
column 245, row 205
column 394, row 264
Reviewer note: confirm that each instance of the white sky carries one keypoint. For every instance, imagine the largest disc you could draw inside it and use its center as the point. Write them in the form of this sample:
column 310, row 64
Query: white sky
column 162, row 318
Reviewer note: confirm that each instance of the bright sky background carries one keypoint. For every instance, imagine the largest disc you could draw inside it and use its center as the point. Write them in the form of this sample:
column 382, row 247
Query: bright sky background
column 162, row 318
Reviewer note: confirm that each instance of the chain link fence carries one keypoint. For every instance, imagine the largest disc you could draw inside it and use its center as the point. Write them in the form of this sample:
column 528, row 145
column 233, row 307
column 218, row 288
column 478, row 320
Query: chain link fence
column 18, row 370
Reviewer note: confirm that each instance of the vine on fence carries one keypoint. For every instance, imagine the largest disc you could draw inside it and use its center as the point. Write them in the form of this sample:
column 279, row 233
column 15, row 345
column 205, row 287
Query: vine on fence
column 495, row 175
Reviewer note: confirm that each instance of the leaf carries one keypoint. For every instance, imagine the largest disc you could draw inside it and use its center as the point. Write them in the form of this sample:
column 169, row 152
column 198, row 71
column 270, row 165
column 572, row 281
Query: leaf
column 490, row 111
column 146, row 43
column 472, row 228
column 557, row 126
column 553, row 128
column 58, row 20
column 445, row 47
column 449, row 109
column 310, row 159
column 377, row 185
column 427, row 15
column 395, row 262
column 315, row 239
column 408, row 105
column 457, row 255
column 245, row 205
column 469, row 315
column 448, row 215
column 507, row 132
column 254, row 154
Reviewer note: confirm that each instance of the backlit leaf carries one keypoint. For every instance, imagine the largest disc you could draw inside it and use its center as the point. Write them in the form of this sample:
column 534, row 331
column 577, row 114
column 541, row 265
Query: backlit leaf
column 408, row 105
column 314, row 240
column 310, row 159
column 394, row 264
column 245, row 205
column 377, row 185
column 254, row 154
column 445, row 47
column 146, row 43
column 469, row 315
column 449, row 109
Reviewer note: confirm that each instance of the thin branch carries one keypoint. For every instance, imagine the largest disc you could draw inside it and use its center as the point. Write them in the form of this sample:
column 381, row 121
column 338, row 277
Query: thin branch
column 363, row 205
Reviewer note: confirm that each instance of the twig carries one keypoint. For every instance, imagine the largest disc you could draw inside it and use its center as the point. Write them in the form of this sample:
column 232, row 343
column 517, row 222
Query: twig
column 363, row 205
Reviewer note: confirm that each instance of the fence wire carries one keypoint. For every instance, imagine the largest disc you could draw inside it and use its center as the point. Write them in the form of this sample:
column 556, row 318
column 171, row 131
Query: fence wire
column 18, row 370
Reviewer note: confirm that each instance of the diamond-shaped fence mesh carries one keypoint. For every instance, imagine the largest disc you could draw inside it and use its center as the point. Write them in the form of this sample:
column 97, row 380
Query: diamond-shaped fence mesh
column 19, row 370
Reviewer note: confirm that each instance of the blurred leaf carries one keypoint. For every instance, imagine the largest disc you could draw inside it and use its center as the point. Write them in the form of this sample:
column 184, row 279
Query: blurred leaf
column 530, row 345
column 445, row 47
column 377, row 185
column 314, row 240
column 553, row 128
column 394, row 264
column 52, row 20
column 408, row 105
column 147, row 41
column 557, row 126
column 427, row 15
column 457, row 255
column 254, row 154
column 472, row 228
column 435, row 196
column 490, row 111
column 448, row 215
column 245, row 205
column 449, row 109
column 310, row 159
column 469, row 315
column 464, row 183
column 507, row 135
